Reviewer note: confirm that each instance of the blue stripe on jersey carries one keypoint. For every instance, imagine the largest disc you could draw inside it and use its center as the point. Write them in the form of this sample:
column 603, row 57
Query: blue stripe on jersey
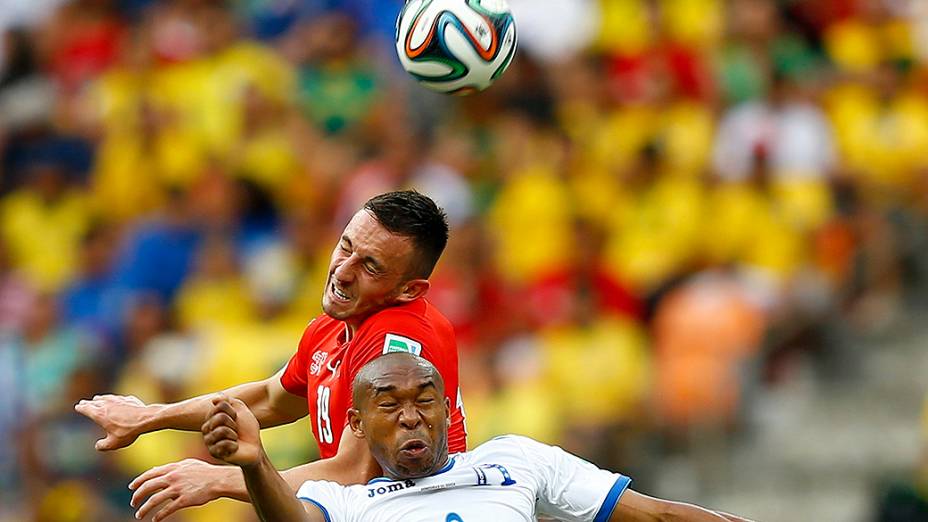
column 325, row 512
column 605, row 511
column 443, row 469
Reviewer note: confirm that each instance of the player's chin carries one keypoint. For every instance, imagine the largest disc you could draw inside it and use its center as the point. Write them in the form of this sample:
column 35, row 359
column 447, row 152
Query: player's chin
column 336, row 310
column 415, row 464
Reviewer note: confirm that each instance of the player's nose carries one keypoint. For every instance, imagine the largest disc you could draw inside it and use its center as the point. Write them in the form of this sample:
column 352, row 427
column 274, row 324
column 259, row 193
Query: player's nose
column 409, row 417
column 344, row 272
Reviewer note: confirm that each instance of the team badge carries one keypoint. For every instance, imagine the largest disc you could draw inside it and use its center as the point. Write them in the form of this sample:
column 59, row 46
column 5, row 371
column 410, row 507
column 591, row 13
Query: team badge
column 318, row 360
column 398, row 343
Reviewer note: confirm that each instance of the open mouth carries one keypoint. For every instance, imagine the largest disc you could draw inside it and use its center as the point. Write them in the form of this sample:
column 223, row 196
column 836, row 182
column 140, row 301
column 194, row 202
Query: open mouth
column 338, row 294
column 414, row 448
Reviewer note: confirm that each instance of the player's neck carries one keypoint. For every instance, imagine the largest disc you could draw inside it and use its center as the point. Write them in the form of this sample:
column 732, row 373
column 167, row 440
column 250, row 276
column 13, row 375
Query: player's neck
column 353, row 324
column 439, row 466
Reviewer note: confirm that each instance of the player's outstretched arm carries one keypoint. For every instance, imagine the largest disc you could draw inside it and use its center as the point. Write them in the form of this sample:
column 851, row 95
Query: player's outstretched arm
column 125, row 418
column 192, row 482
column 232, row 433
column 635, row 507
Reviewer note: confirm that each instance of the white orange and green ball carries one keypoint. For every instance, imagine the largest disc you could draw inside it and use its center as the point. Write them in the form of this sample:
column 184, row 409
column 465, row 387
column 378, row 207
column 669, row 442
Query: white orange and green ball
column 455, row 46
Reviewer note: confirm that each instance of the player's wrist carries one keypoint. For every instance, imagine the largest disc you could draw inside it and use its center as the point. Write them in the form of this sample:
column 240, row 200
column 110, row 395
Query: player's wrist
column 257, row 466
column 152, row 418
column 229, row 483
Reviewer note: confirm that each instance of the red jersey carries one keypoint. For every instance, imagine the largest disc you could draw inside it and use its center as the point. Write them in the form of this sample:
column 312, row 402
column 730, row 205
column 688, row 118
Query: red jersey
column 325, row 365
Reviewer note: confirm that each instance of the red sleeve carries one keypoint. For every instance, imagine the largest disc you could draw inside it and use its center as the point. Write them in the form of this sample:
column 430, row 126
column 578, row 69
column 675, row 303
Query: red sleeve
column 294, row 377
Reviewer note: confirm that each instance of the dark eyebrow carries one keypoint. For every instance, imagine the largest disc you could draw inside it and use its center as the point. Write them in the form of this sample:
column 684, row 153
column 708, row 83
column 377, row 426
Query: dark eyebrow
column 384, row 389
column 427, row 384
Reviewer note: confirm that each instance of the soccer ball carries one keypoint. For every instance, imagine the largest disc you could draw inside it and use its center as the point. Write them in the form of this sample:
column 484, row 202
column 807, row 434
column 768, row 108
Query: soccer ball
column 455, row 46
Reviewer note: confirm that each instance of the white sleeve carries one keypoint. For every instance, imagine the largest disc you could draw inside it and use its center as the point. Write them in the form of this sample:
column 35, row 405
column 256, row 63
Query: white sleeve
column 330, row 497
column 570, row 488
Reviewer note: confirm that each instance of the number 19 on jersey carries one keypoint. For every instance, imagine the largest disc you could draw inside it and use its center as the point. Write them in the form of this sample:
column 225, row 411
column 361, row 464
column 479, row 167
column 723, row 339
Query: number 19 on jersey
column 323, row 423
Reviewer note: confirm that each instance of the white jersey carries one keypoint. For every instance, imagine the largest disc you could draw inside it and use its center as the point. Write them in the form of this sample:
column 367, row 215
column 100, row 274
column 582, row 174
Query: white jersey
column 508, row 479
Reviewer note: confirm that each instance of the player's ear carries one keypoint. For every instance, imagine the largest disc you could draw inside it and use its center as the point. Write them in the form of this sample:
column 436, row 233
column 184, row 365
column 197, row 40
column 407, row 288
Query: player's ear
column 354, row 423
column 413, row 289
column 448, row 411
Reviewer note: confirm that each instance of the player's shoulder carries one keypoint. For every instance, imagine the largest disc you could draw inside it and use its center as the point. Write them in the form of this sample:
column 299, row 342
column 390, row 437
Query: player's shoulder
column 410, row 328
column 512, row 440
column 525, row 449
column 331, row 498
column 517, row 455
column 504, row 445
column 315, row 333
column 417, row 309
column 321, row 323
column 312, row 488
column 326, row 494
column 416, row 317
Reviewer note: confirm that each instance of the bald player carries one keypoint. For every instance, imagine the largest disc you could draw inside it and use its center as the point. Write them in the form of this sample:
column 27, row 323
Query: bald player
column 400, row 411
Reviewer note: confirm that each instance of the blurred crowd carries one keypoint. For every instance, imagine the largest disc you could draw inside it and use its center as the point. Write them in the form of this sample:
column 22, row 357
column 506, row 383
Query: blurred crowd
column 661, row 208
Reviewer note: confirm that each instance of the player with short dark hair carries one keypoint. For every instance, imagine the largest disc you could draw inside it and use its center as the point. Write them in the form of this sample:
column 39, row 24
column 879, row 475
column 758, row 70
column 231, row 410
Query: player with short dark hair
column 409, row 214
column 401, row 411
column 374, row 304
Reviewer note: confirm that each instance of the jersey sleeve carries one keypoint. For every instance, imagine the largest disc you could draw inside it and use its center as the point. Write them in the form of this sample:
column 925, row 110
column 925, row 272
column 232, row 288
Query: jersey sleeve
column 569, row 488
column 329, row 497
column 294, row 377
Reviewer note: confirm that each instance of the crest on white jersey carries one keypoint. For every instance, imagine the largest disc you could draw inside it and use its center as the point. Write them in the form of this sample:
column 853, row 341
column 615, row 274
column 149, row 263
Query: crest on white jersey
column 398, row 343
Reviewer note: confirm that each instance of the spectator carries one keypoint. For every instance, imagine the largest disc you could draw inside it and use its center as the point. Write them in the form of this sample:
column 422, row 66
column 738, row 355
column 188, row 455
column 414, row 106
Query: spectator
column 43, row 223
column 793, row 133
column 157, row 255
column 83, row 302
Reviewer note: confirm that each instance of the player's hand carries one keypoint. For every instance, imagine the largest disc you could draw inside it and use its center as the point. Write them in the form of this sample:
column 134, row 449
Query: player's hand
column 121, row 417
column 232, row 433
column 178, row 485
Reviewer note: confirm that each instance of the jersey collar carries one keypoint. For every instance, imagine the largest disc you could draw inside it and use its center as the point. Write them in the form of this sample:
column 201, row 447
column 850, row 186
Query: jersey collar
column 445, row 468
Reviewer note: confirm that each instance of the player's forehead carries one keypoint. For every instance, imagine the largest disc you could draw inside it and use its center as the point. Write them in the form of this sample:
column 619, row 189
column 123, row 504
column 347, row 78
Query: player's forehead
column 363, row 231
column 402, row 378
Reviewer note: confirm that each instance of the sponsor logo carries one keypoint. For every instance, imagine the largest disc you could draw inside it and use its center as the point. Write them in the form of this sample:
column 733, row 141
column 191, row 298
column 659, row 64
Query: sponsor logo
column 393, row 487
column 398, row 343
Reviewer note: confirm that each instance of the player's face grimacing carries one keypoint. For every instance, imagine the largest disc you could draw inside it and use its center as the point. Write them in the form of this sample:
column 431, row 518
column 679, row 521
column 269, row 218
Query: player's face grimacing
column 404, row 415
column 369, row 271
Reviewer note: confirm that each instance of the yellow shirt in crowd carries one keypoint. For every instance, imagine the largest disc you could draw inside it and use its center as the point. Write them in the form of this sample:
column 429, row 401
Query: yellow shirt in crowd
column 44, row 238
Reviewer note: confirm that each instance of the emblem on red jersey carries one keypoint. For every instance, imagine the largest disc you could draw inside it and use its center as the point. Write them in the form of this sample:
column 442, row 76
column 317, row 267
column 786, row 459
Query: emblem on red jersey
column 398, row 343
column 318, row 360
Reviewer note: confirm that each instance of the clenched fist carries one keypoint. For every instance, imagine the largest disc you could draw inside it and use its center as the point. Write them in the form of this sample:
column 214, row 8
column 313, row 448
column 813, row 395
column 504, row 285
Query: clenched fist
column 232, row 433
